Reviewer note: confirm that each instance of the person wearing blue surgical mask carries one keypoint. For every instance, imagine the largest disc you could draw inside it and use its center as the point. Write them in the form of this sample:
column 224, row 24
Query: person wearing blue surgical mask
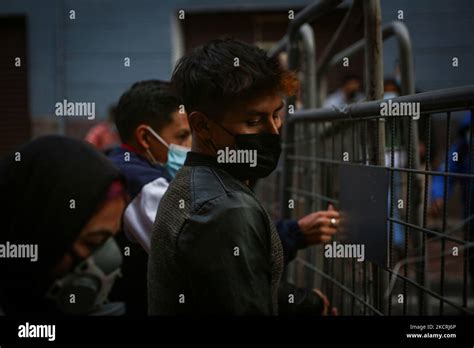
column 155, row 139
column 391, row 88
column 176, row 155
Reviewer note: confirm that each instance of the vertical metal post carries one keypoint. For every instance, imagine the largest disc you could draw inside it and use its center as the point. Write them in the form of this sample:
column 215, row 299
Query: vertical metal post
column 406, row 58
column 60, row 84
column 408, row 87
column 309, row 55
column 306, row 34
column 374, row 91
column 373, row 49
column 288, row 131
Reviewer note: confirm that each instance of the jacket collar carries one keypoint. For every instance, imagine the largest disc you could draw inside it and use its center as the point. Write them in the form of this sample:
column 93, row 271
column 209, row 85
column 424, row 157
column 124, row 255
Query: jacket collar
column 200, row 159
column 194, row 159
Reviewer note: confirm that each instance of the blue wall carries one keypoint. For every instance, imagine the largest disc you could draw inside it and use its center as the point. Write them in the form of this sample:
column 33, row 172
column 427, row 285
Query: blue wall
column 82, row 59
column 440, row 30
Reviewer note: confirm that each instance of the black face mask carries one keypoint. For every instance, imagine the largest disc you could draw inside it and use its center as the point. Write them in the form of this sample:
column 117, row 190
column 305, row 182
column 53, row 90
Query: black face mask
column 265, row 148
column 351, row 95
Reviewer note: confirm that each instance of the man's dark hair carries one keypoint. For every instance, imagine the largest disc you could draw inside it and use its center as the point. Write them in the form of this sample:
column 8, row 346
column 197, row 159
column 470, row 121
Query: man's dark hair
column 350, row 77
column 146, row 102
column 111, row 112
column 391, row 81
column 207, row 79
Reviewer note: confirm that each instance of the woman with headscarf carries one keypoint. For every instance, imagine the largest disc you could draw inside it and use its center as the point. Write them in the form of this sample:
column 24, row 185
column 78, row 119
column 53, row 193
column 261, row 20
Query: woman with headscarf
column 64, row 198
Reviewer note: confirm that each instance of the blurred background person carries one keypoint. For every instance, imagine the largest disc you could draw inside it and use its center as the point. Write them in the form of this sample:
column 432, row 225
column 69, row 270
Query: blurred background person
column 104, row 135
column 349, row 92
column 391, row 88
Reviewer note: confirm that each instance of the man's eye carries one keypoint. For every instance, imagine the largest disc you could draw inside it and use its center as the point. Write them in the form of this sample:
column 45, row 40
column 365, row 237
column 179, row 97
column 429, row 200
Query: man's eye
column 91, row 245
column 252, row 123
column 183, row 136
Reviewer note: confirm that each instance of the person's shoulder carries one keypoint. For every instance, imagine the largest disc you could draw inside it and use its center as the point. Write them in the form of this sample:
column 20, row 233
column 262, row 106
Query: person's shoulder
column 136, row 170
column 129, row 161
column 216, row 190
column 224, row 216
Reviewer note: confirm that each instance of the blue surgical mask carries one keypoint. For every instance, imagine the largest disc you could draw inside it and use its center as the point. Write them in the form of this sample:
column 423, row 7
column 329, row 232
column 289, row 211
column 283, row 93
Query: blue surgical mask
column 176, row 155
column 390, row 95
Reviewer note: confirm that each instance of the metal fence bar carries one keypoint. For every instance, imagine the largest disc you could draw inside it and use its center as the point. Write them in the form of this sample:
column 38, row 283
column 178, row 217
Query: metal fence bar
column 403, row 170
column 467, row 230
column 445, row 211
column 458, row 98
column 373, row 50
column 425, row 213
column 310, row 14
column 341, row 286
column 392, row 202
column 374, row 91
column 431, row 292
column 309, row 54
column 279, row 47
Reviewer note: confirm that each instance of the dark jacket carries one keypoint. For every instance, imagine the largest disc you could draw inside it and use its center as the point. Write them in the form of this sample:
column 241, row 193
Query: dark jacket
column 214, row 249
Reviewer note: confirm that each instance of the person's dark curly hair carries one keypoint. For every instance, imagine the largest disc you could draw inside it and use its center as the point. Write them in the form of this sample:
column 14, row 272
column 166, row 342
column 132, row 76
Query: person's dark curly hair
column 146, row 102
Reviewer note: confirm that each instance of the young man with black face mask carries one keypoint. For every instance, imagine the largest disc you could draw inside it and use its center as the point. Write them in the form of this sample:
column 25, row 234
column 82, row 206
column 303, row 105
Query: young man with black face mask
column 214, row 249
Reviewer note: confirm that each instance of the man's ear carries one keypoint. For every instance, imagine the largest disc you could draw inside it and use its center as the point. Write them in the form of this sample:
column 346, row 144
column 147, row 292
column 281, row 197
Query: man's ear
column 142, row 136
column 199, row 124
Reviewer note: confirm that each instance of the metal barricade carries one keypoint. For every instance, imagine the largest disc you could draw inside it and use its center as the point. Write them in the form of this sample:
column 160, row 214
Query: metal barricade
column 418, row 277
column 367, row 288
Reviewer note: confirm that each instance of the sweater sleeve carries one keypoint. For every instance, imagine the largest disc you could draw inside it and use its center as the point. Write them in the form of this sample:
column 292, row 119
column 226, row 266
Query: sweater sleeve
column 292, row 238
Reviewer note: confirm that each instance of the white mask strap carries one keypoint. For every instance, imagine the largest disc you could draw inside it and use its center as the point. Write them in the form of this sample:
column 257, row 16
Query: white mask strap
column 160, row 139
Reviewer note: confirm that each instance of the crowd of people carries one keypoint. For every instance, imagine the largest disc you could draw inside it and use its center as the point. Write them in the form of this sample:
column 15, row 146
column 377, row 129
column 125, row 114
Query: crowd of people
column 148, row 221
